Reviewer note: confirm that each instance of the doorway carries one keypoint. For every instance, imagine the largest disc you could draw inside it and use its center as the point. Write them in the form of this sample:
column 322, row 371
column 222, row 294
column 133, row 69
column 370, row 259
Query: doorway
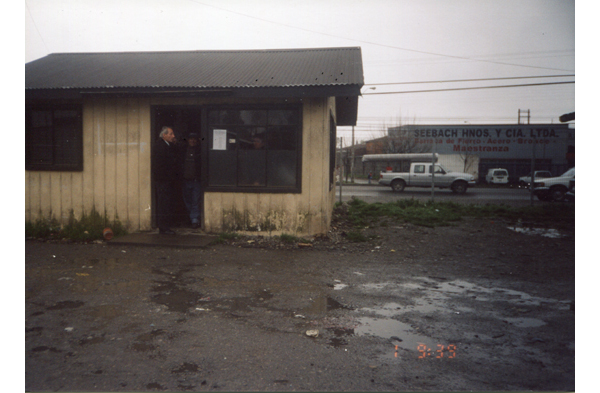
column 184, row 120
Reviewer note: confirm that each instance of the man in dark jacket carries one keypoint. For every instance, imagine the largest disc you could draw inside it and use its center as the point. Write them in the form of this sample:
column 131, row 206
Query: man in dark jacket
column 165, row 173
column 191, row 178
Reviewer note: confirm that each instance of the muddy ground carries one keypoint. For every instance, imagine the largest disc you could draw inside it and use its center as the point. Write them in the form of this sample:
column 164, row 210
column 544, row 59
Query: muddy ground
column 476, row 306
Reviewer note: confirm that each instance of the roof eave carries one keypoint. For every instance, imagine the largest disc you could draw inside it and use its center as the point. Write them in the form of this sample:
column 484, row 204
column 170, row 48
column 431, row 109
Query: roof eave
column 346, row 95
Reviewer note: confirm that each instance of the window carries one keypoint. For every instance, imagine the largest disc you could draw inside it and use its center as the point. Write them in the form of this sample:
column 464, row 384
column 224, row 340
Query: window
column 255, row 149
column 53, row 138
column 438, row 169
column 419, row 169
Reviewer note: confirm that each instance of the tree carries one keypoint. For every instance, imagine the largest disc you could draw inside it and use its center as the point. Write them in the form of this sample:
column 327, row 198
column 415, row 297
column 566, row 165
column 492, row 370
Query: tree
column 397, row 139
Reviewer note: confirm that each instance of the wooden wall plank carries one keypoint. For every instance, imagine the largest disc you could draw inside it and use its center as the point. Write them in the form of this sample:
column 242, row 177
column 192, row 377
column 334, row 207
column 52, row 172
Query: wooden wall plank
column 144, row 159
column 110, row 162
column 76, row 194
column 99, row 153
column 121, row 160
column 35, row 195
column 66, row 186
column 133, row 163
column 87, row 176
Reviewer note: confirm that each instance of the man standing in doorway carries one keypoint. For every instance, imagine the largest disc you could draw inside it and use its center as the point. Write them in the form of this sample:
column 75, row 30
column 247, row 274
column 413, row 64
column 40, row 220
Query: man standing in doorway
column 191, row 178
column 165, row 173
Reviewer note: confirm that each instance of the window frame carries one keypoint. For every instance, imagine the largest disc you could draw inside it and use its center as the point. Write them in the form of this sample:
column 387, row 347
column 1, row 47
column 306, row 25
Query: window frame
column 31, row 161
column 208, row 131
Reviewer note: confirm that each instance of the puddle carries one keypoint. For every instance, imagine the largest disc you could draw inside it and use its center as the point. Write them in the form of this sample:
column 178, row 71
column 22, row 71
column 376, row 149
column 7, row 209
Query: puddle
column 105, row 312
column 263, row 295
column 427, row 296
column 143, row 347
column 143, row 341
column 44, row 348
column 323, row 305
column 388, row 328
column 434, row 296
column 177, row 299
column 186, row 368
column 340, row 333
column 173, row 296
column 67, row 304
column 545, row 232
column 525, row 322
column 91, row 340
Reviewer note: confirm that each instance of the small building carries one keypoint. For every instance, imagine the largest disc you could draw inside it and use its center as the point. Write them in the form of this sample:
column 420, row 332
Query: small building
column 92, row 118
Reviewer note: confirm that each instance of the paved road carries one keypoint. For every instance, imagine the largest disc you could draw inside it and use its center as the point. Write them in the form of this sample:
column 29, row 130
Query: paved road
column 475, row 195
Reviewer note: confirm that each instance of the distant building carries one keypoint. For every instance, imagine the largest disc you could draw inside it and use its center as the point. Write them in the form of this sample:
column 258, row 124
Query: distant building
column 492, row 145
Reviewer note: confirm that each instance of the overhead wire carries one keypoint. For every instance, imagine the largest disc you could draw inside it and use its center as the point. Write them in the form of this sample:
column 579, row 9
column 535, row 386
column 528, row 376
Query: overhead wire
column 376, row 43
column 470, row 80
column 35, row 25
column 469, row 88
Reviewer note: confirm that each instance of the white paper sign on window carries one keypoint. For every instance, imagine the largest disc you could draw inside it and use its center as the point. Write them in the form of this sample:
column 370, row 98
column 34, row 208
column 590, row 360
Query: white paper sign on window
column 219, row 139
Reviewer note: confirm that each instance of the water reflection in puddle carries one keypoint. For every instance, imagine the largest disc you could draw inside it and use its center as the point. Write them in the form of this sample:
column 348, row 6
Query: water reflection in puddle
column 322, row 305
column 428, row 296
column 434, row 295
column 545, row 232
column 525, row 322
column 402, row 334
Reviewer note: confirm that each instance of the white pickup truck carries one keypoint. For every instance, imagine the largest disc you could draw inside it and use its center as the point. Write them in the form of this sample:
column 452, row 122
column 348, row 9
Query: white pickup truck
column 420, row 175
column 553, row 188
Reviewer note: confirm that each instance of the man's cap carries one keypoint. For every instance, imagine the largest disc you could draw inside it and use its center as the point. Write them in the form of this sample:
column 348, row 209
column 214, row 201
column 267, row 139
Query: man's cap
column 193, row 135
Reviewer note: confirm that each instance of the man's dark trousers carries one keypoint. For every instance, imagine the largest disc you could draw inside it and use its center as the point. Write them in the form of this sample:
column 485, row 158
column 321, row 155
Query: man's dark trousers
column 164, row 204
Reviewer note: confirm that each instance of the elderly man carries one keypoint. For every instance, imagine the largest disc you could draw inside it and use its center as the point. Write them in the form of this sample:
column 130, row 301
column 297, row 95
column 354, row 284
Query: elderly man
column 165, row 172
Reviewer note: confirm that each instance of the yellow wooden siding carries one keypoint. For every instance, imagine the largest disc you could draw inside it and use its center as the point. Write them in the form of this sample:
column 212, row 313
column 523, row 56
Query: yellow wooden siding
column 117, row 168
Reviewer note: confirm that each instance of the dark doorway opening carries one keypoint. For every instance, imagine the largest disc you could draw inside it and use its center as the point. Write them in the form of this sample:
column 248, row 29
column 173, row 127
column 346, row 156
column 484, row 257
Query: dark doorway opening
column 183, row 120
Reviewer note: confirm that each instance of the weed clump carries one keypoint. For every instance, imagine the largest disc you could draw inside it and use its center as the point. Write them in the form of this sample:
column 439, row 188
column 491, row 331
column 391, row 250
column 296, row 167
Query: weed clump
column 286, row 238
column 88, row 228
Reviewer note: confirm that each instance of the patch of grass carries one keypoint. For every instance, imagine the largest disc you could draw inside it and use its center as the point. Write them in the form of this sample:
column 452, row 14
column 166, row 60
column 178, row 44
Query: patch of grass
column 42, row 228
column 432, row 214
column 356, row 237
column 224, row 237
column 89, row 227
column 229, row 236
column 285, row 238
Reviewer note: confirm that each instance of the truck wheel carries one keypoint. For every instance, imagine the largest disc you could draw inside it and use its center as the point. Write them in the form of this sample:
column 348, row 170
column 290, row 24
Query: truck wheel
column 543, row 197
column 398, row 185
column 557, row 194
column 459, row 187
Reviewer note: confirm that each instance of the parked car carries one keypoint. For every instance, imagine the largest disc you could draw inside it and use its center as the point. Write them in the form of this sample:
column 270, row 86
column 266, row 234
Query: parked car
column 554, row 188
column 497, row 176
column 525, row 181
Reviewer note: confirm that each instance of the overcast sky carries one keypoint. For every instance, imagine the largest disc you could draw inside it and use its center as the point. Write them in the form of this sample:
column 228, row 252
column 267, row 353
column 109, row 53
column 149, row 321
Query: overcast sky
column 402, row 41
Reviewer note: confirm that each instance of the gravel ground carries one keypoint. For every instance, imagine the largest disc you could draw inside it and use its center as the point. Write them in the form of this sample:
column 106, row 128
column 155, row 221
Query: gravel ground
column 482, row 305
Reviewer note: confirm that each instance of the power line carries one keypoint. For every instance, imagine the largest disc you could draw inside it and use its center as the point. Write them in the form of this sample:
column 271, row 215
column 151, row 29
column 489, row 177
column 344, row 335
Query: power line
column 469, row 80
column 469, row 88
column 36, row 28
column 376, row 43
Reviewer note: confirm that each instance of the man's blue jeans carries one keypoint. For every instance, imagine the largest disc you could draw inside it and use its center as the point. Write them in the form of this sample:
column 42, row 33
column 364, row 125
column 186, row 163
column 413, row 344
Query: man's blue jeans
column 191, row 196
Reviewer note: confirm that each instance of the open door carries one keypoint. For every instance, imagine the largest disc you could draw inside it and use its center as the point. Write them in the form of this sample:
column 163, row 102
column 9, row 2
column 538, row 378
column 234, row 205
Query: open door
column 183, row 120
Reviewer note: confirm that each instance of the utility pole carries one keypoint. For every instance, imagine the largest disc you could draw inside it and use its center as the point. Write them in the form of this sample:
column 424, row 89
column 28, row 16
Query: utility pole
column 532, row 156
column 433, row 171
column 352, row 162
column 528, row 116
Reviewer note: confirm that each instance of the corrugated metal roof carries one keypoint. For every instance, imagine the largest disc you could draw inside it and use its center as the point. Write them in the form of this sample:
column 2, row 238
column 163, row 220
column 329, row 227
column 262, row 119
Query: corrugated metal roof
column 198, row 69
